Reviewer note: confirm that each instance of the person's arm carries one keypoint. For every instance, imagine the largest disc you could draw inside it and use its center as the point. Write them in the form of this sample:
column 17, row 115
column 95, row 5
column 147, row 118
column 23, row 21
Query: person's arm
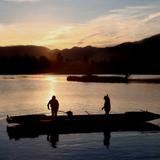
column 48, row 104
column 104, row 106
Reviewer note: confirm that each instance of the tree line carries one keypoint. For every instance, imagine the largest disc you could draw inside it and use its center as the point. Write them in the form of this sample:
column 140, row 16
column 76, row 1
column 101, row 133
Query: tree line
column 27, row 64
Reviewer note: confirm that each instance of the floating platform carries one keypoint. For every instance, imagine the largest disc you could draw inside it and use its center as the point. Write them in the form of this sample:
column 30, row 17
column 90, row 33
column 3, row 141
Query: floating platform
column 112, row 79
column 102, row 79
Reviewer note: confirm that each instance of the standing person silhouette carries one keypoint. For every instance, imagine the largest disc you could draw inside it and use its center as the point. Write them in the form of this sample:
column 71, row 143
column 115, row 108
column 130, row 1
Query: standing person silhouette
column 107, row 104
column 54, row 105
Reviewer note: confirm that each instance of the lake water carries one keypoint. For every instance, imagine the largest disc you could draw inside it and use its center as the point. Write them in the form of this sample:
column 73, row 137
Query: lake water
column 28, row 94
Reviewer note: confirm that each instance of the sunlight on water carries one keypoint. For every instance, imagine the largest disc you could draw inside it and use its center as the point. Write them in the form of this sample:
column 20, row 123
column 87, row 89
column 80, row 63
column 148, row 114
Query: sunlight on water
column 29, row 94
column 52, row 81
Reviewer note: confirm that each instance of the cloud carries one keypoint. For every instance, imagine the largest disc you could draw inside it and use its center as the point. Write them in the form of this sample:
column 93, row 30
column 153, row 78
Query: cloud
column 21, row 0
column 22, row 34
column 116, row 26
column 111, row 28
column 152, row 17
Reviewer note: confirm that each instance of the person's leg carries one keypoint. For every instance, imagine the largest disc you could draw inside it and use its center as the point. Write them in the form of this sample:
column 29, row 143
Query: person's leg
column 52, row 113
column 55, row 113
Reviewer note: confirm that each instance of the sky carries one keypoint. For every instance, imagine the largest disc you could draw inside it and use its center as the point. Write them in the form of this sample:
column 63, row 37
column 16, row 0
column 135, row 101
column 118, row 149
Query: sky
column 68, row 23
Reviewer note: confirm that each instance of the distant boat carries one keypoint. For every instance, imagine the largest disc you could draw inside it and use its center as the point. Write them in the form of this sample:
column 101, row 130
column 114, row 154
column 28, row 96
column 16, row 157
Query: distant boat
column 112, row 79
column 102, row 79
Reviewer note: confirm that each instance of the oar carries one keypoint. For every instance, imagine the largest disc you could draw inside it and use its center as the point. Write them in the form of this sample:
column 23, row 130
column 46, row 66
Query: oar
column 87, row 112
column 62, row 111
column 69, row 111
column 92, row 113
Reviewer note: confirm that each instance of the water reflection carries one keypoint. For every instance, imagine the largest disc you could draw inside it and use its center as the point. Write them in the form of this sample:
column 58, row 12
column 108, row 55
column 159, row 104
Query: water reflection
column 107, row 136
column 18, row 132
column 52, row 136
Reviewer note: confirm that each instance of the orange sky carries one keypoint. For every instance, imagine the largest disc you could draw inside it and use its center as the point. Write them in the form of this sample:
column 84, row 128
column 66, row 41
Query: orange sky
column 66, row 23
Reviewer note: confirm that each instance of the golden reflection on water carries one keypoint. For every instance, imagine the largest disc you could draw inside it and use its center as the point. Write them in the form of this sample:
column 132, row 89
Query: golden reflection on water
column 31, row 94
column 52, row 86
column 35, row 93
column 51, row 78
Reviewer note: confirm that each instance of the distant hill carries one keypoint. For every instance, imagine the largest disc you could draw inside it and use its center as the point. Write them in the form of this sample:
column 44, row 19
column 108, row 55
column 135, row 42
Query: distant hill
column 30, row 50
column 130, row 57
column 136, row 57
column 142, row 47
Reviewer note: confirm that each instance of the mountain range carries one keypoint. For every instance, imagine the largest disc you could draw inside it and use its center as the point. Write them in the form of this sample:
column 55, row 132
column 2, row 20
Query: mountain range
column 130, row 57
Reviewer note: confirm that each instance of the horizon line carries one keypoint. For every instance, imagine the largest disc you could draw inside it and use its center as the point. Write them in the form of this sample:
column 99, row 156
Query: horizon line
column 76, row 46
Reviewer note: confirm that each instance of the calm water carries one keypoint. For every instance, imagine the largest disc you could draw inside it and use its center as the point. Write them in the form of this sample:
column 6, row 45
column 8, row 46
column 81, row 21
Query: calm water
column 30, row 94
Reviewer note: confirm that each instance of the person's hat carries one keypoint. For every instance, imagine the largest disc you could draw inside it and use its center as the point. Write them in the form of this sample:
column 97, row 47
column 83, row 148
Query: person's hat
column 53, row 97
